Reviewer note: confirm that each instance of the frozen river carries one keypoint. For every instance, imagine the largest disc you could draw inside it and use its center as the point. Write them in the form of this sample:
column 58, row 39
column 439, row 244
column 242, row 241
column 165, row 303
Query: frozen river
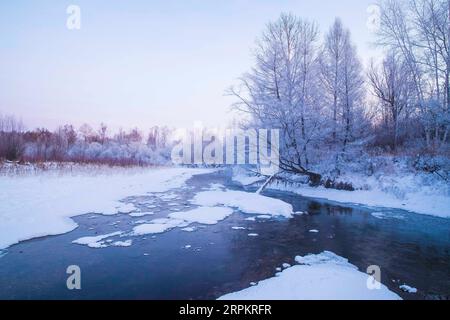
column 213, row 260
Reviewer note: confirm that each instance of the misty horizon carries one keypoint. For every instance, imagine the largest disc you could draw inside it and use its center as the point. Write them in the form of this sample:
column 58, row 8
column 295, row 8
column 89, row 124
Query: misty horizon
column 123, row 65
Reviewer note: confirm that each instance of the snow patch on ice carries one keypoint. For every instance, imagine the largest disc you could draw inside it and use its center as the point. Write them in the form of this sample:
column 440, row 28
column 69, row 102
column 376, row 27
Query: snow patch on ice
column 408, row 289
column 126, row 243
column 325, row 276
column 96, row 241
column 151, row 228
column 246, row 202
column 141, row 214
column 203, row 215
column 158, row 226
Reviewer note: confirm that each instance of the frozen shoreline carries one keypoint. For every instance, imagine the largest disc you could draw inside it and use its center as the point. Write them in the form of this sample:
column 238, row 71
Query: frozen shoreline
column 434, row 205
column 35, row 206
column 407, row 192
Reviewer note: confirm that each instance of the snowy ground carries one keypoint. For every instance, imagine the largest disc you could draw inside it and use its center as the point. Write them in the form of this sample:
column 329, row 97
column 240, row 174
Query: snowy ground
column 416, row 193
column 40, row 205
column 325, row 276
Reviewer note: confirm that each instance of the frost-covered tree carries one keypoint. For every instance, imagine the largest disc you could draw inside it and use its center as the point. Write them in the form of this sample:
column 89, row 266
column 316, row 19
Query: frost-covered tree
column 342, row 82
column 281, row 90
column 391, row 83
column 419, row 31
column 11, row 140
column 331, row 69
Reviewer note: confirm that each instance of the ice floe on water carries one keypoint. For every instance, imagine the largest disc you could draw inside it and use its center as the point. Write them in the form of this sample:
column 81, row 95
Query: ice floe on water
column 386, row 215
column 157, row 226
column 407, row 288
column 314, row 231
column 324, row 276
column 96, row 241
column 126, row 243
column 253, row 234
column 246, row 202
column 182, row 219
column 203, row 215
column 141, row 214
column 150, row 228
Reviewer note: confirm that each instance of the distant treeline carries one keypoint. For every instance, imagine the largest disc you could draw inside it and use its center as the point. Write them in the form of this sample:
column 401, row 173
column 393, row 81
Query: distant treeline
column 83, row 145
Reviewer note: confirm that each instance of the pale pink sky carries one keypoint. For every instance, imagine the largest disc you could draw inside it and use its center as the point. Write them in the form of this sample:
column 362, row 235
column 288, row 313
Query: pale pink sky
column 141, row 63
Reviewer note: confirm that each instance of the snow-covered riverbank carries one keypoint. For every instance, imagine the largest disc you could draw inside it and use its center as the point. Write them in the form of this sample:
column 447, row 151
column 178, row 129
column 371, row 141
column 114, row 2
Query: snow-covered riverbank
column 41, row 204
column 416, row 193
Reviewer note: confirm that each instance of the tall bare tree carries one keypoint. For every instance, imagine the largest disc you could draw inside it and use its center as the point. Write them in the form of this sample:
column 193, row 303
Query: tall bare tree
column 342, row 78
column 281, row 89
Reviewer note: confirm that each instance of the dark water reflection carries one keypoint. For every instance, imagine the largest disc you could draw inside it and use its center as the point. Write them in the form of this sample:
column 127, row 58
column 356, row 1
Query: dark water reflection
column 409, row 248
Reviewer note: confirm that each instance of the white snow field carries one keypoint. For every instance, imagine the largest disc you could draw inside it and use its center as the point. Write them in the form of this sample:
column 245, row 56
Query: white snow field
column 324, row 276
column 41, row 205
column 246, row 202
